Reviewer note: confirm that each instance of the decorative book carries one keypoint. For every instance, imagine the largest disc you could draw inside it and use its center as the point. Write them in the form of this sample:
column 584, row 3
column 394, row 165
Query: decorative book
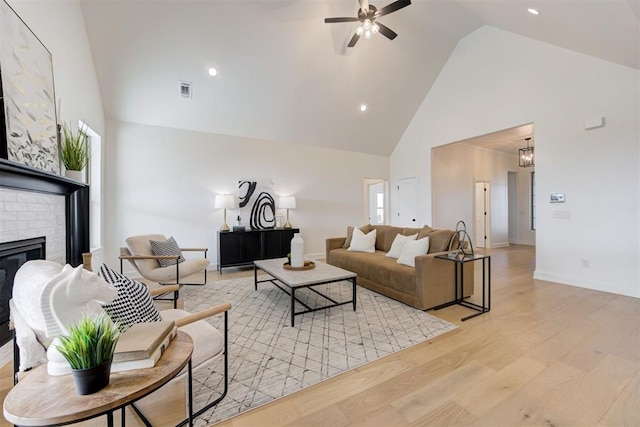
column 141, row 340
column 149, row 362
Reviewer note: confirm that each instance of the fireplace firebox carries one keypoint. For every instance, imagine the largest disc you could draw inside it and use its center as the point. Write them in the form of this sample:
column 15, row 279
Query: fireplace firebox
column 12, row 256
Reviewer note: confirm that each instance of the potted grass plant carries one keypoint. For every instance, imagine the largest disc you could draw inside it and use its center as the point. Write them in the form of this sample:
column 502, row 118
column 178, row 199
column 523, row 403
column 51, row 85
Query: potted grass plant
column 89, row 350
column 74, row 151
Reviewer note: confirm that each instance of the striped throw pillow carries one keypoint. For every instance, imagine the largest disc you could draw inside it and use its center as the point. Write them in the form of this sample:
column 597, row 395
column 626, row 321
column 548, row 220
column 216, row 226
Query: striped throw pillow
column 167, row 248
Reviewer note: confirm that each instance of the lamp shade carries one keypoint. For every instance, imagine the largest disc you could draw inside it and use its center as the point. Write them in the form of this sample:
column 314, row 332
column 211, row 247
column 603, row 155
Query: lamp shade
column 225, row 201
column 287, row 202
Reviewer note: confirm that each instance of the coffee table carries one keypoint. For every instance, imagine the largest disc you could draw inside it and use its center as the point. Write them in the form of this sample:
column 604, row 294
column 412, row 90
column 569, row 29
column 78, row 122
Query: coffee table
column 291, row 280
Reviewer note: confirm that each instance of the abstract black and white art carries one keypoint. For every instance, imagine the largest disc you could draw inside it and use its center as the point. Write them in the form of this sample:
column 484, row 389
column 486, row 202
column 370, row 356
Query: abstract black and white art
column 29, row 132
column 257, row 205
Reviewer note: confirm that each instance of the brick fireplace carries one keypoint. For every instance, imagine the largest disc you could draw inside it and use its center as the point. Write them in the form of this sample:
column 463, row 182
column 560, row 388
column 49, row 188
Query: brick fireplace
column 42, row 216
column 27, row 210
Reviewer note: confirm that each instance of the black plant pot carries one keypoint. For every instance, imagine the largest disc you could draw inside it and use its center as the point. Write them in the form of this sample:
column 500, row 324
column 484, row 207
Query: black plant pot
column 91, row 380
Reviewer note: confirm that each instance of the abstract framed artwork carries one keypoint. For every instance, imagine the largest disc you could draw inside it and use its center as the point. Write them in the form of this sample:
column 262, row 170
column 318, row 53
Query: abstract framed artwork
column 28, row 123
column 257, row 203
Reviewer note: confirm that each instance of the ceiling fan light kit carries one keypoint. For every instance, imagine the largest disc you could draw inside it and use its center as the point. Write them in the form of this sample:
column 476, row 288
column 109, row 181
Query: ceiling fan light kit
column 367, row 15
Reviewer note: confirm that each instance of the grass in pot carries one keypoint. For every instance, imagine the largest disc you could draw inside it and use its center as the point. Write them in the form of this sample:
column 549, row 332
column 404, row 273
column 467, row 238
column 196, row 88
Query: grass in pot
column 89, row 350
column 74, row 151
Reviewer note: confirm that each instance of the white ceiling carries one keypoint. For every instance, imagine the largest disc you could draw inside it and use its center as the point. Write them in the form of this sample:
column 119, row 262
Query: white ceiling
column 285, row 75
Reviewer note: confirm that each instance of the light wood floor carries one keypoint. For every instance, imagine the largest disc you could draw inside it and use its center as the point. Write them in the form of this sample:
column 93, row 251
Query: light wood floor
column 546, row 354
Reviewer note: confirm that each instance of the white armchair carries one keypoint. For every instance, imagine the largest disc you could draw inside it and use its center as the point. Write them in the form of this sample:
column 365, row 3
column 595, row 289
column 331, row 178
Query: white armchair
column 31, row 342
column 140, row 254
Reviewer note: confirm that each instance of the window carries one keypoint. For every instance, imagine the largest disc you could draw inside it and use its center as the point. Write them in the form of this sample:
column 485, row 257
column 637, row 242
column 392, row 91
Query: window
column 380, row 207
column 94, row 174
column 533, row 201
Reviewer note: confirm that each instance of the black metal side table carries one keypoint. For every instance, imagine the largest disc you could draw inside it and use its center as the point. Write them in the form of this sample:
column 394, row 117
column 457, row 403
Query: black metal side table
column 459, row 284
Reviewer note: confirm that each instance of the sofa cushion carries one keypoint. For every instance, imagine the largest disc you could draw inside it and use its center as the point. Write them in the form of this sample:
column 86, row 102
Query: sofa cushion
column 365, row 229
column 439, row 240
column 408, row 231
column 398, row 244
column 411, row 250
column 376, row 267
column 386, row 234
column 361, row 242
column 424, row 231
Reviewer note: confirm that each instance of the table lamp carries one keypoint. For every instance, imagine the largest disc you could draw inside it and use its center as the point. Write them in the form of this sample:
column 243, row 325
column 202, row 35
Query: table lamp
column 287, row 202
column 225, row 201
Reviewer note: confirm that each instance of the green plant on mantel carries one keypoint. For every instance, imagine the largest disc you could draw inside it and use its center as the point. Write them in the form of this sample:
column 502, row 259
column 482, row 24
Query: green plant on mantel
column 90, row 342
column 74, row 150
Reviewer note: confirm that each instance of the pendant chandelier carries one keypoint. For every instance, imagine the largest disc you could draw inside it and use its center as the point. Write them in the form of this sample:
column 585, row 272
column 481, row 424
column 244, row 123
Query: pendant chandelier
column 526, row 155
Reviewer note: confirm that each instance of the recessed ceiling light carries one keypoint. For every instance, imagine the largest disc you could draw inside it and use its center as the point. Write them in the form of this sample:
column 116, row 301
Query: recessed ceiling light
column 213, row 72
column 533, row 11
column 363, row 107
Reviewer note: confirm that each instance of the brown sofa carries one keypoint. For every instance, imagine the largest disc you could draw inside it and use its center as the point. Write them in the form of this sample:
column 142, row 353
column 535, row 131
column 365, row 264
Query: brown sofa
column 427, row 285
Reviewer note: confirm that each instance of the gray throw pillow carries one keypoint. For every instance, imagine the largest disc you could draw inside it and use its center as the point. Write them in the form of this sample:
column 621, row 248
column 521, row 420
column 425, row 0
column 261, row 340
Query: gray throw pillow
column 167, row 248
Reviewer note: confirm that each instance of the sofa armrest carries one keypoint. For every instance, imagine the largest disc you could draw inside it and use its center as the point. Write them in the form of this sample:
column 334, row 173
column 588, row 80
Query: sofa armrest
column 334, row 243
column 435, row 279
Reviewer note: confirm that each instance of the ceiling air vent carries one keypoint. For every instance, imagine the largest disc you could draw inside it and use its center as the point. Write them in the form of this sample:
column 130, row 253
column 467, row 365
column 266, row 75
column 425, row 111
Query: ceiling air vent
column 185, row 89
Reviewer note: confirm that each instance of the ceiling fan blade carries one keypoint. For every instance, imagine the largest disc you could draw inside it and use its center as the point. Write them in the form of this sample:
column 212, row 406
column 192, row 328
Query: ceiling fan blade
column 392, row 7
column 364, row 6
column 354, row 40
column 386, row 31
column 334, row 20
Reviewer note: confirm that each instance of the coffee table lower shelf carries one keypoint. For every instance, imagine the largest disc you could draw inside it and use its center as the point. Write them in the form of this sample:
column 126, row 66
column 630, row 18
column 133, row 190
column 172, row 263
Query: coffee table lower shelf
column 289, row 281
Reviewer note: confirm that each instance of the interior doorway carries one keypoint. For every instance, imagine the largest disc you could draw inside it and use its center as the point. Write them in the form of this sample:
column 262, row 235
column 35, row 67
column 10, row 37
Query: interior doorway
column 482, row 214
column 457, row 171
column 512, row 195
column 376, row 201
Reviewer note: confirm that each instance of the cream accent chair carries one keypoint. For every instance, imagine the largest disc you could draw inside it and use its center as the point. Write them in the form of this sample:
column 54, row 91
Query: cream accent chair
column 208, row 342
column 138, row 252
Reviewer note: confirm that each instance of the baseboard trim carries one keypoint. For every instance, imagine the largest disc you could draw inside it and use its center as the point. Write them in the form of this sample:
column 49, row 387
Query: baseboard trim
column 613, row 288
column 500, row 245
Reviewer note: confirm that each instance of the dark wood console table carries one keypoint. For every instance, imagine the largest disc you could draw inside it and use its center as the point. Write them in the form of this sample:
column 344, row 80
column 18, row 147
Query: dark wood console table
column 243, row 247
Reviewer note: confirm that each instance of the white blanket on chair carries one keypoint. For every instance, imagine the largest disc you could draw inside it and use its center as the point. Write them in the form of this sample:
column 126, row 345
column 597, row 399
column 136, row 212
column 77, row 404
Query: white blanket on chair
column 32, row 352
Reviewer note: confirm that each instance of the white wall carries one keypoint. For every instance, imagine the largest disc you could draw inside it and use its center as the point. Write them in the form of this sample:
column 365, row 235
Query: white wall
column 496, row 80
column 164, row 180
column 455, row 170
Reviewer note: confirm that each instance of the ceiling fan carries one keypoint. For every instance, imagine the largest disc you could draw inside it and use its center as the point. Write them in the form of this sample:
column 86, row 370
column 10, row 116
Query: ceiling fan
column 367, row 15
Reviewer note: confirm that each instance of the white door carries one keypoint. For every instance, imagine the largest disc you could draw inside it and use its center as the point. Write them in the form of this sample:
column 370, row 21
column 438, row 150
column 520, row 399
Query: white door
column 482, row 219
column 512, row 203
column 407, row 212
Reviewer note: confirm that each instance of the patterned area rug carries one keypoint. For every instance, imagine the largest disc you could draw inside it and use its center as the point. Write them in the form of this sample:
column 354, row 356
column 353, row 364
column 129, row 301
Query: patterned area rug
column 269, row 359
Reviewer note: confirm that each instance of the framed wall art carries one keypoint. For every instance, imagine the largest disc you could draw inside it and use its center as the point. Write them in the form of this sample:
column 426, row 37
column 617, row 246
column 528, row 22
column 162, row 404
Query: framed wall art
column 28, row 127
column 257, row 204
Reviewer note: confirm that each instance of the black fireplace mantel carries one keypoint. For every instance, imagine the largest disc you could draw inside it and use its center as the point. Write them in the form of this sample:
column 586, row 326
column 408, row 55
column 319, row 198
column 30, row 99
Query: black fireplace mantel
column 77, row 199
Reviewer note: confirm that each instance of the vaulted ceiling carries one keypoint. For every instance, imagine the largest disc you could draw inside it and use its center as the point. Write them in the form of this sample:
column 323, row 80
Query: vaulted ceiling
column 285, row 75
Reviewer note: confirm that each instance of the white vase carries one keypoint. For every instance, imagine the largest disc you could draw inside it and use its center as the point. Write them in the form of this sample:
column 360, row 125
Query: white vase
column 297, row 251
column 75, row 175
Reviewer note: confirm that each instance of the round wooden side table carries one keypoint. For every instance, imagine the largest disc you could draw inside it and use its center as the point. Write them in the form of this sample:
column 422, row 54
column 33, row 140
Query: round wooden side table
column 43, row 400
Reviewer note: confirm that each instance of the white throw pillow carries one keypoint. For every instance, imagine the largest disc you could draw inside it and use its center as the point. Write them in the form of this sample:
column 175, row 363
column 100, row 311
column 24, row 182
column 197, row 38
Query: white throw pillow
column 412, row 249
column 398, row 244
column 361, row 242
